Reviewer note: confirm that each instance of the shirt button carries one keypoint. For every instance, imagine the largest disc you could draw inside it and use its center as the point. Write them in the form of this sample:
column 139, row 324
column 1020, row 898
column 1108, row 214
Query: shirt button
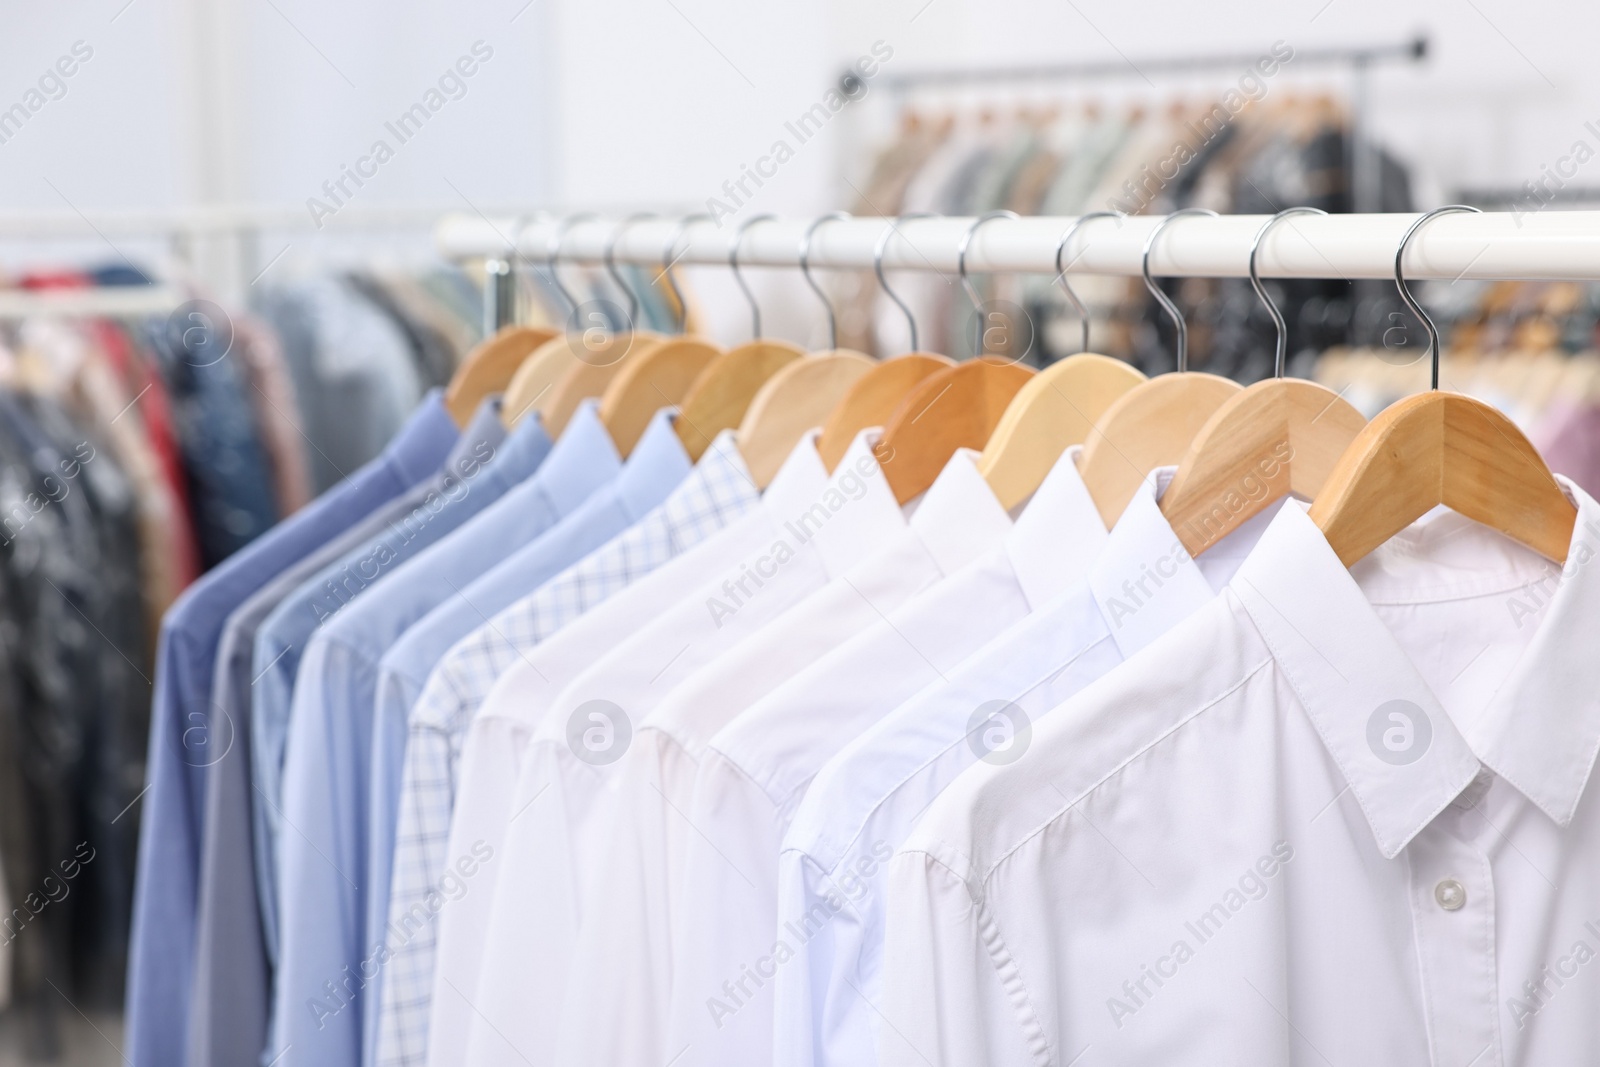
column 1450, row 894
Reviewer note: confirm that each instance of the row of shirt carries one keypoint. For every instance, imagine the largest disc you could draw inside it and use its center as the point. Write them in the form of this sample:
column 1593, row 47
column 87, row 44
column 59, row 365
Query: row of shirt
column 512, row 751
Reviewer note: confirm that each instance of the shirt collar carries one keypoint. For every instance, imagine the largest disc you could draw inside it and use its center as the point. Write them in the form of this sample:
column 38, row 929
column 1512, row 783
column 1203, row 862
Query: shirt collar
column 583, row 458
column 1058, row 536
column 424, row 442
column 1144, row 581
column 480, row 438
column 1372, row 708
column 524, row 451
column 1542, row 727
column 846, row 515
column 959, row 517
column 658, row 459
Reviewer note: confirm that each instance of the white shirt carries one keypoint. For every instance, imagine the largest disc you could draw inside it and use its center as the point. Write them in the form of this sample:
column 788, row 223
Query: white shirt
column 624, row 965
column 866, row 800
column 814, row 525
column 1333, row 817
column 756, row 768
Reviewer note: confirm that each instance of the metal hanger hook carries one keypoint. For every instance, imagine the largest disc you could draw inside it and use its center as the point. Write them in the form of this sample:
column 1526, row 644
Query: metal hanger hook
column 1061, row 272
column 1405, row 290
column 1166, row 302
column 667, row 262
column 1261, row 290
column 610, row 258
column 961, row 253
column 805, row 271
column 877, row 266
column 553, row 252
column 733, row 264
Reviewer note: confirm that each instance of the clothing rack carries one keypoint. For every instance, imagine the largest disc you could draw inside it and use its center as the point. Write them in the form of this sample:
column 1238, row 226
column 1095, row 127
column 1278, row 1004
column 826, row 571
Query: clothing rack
column 1358, row 61
column 1551, row 246
column 106, row 302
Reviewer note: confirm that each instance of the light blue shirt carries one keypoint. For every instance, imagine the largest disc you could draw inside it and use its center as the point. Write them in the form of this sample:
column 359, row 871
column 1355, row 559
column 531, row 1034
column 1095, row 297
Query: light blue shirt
column 452, row 496
column 581, row 462
column 182, row 737
column 324, row 968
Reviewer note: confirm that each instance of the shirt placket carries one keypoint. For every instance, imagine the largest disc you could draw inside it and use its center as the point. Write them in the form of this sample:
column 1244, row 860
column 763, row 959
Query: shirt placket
column 1453, row 906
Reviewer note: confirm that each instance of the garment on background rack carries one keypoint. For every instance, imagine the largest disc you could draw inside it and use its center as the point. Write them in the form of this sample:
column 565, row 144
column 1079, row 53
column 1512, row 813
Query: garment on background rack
column 1064, row 161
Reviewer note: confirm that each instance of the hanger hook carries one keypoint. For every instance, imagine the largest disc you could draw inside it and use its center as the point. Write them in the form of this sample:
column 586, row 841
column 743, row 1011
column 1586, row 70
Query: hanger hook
column 1405, row 291
column 961, row 253
column 610, row 258
column 553, row 252
column 1061, row 272
column 877, row 266
column 1261, row 290
column 667, row 262
column 733, row 263
column 1163, row 299
column 805, row 270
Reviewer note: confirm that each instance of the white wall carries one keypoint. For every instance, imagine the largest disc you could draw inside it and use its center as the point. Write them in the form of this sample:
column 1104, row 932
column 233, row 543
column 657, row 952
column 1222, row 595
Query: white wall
column 655, row 103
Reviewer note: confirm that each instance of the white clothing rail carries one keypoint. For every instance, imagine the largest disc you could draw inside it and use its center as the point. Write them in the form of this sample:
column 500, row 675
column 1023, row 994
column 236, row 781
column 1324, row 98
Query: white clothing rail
column 216, row 220
column 1494, row 245
column 108, row 302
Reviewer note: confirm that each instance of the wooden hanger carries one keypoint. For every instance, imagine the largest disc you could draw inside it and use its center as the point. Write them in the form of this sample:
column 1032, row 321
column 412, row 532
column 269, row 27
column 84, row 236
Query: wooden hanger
column 874, row 396
column 660, row 376
column 489, row 367
column 1056, row 409
column 955, row 408
column 1441, row 448
column 802, row 394
column 1151, row 424
column 566, row 370
column 720, row 397
column 1279, row 436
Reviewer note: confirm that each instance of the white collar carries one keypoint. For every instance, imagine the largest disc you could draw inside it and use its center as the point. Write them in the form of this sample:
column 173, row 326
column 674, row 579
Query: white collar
column 1540, row 729
column 845, row 515
column 1146, row 582
column 959, row 517
column 1058, row 536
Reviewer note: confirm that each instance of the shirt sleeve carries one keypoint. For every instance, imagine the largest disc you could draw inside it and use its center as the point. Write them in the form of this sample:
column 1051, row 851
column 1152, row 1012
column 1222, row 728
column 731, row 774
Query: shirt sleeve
column 622, row 969
column 800, row 986
column 489, row 765
column 944, row 1003
column 320, row 992
column 727, row 935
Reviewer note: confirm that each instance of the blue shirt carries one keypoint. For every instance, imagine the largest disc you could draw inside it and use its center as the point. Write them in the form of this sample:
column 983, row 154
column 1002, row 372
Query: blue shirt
column 161, row 948
column 478, row 476
column 324, row 965
column 581, row 462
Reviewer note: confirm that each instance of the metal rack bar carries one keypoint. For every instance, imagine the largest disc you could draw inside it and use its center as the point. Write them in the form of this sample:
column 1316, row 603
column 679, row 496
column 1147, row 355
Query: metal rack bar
column 108, row 302
column 1410, row 51
column 1549, row 245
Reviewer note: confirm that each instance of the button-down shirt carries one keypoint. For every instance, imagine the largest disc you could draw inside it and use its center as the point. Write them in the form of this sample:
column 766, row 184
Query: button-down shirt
column 808, row 529
column 452, row 693
column 833, row 872
column 232, row 967
column 323, row 860
column 581, row 462
column 753, row 771
column 161, row 949
column 714, row 493
column 1336, row 815
column 281, row 642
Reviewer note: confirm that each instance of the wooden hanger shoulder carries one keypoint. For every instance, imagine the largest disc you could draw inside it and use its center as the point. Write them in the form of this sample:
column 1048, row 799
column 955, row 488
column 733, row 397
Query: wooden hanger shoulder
column 1147, row 427
column 1442, row 448
column 722, row 393
column 1277, row 437
column 565, row 372
column 1053, row 411
column 872, row 398
column 552, row 362
column 792, row 401
column 648, row 381
column 489, row 367
column 958, row 407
